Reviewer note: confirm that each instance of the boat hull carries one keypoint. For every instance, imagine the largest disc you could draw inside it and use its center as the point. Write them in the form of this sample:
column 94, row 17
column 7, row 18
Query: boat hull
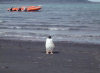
column 28, row 9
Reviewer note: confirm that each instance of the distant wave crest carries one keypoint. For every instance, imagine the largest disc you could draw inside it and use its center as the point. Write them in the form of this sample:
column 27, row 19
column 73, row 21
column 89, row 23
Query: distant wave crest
column 50, row 0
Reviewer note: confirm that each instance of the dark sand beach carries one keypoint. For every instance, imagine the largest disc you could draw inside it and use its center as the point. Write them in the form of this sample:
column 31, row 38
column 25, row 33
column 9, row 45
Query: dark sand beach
column 29, row 57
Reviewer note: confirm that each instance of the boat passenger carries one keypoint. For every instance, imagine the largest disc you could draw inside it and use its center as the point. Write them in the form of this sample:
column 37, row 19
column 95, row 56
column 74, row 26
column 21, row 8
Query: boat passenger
column 19, row 9
column 11, row 9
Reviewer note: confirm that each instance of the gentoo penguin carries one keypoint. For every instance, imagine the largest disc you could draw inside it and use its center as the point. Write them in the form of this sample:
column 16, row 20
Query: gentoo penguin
column 49, row 45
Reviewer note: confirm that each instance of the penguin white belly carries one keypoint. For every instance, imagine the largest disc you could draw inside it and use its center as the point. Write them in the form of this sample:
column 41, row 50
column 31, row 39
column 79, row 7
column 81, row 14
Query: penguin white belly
column 49, row 44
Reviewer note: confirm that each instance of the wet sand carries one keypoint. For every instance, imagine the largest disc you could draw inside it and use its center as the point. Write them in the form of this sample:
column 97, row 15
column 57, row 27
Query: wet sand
column 29, row 57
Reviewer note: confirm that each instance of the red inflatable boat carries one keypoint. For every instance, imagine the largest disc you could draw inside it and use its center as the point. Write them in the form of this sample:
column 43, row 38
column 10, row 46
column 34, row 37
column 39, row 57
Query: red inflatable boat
column 23, row 8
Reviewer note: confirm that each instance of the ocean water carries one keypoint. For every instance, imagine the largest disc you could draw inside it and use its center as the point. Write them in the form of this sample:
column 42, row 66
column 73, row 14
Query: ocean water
column 76, row 22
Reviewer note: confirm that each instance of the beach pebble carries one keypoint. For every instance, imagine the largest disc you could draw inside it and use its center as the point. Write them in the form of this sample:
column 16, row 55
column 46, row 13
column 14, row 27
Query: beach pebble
column 39, row 57
column 92, row 63
column 4, row 67
column 99, row 66
column 35, row 62
column 69, row 60
column 29, row 56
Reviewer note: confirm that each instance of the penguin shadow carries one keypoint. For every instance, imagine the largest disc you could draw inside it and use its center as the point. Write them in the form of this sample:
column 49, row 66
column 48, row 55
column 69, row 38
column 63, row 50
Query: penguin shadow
column 55, row 52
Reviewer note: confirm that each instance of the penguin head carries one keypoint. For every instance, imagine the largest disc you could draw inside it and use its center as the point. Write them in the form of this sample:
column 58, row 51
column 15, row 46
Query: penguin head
column 49, row 37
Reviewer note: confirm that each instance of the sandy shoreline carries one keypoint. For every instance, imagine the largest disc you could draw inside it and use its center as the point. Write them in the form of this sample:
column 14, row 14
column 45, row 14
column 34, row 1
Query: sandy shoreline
column 29, row 57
